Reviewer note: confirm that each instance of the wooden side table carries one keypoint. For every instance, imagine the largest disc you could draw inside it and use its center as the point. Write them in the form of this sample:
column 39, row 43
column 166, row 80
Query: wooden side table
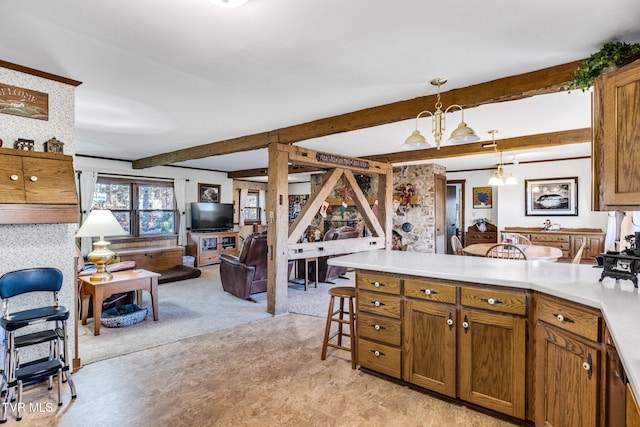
column 123, row 281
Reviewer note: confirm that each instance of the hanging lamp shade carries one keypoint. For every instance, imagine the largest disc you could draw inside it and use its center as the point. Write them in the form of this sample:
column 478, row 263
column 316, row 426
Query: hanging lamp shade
column 463, row 134
column 415, row 140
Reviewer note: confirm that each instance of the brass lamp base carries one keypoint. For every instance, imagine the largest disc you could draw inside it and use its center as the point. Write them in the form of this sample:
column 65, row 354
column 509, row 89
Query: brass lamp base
column 101, row 256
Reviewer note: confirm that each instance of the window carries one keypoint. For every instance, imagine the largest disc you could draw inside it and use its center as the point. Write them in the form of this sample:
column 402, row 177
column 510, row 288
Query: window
column 251, row 211
column 143, row 208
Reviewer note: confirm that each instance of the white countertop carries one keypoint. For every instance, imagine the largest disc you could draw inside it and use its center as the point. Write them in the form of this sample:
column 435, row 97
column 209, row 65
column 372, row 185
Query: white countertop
column 618, row 302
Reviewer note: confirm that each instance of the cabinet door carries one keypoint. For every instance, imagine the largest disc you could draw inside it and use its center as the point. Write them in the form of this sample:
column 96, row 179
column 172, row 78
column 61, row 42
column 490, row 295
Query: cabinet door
column 49, row 181
column 567, row 380
column 492, row 375
column 429, row 346
column 12, row 181
column 616, row 128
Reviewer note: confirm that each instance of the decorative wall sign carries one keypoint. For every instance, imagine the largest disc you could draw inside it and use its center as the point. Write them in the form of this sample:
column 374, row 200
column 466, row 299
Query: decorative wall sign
column 24, row 144
column 24, row 102
column 209, row 193
column 482, row 197
column 551, row 197
column 343, row 161
column 54, row 146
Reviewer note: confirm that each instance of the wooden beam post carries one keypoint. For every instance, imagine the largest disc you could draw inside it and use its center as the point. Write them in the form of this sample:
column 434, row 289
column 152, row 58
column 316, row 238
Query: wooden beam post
column 278, row 229
column 385, row 205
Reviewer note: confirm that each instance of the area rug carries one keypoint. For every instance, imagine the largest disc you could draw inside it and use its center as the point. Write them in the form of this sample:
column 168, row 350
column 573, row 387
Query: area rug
column 194, row 307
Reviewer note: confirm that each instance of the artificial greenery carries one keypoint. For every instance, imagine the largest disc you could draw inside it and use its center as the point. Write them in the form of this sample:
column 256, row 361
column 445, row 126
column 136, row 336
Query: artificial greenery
column 612, row 54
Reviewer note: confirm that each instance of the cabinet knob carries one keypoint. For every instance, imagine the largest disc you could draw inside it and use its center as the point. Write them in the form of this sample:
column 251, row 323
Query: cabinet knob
column 377, row 353
column 563, row 319
column 586, row 366
column 429, row 292
column 450, row 322
column 377, row 284
column 14, row 177
column 378, row 303
column 491, row 301
column 33, row 178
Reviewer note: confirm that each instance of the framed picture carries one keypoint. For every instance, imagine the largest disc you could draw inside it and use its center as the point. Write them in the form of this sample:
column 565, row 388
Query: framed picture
column 551, row 197
column 209, row 193
column 482, row 197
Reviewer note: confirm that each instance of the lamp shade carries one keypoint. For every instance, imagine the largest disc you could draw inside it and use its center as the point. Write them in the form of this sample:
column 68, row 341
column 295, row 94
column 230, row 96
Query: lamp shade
column 463, row 134
column 101, row 222
column 415, row 140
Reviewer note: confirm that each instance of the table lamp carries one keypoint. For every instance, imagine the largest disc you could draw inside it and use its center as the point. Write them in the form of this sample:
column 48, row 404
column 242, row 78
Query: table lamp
column 101, row 223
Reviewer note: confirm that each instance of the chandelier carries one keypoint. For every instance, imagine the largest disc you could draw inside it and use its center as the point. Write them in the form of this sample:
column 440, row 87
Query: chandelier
column 463, row 133
column 498, row 176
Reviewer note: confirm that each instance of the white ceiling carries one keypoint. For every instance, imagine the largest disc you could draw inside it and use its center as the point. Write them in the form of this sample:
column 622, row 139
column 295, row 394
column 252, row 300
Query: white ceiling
column 162, row 75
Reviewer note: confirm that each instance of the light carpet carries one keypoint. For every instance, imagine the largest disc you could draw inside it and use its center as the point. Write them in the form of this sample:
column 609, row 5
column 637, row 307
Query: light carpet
column 194, row 307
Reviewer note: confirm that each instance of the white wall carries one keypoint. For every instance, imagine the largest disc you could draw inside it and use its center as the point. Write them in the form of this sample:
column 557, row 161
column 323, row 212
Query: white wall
column 508, row 201
column 300, row 188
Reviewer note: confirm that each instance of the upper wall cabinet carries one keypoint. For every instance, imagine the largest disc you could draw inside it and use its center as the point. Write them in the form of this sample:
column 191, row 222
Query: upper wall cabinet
column 616, row 140
column 37, row 188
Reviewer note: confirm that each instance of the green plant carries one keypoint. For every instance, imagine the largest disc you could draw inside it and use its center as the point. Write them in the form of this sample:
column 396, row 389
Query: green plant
column 612, row 54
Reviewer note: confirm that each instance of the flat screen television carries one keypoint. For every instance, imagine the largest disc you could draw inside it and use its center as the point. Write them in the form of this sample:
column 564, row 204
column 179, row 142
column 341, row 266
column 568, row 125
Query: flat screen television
column 211, row 216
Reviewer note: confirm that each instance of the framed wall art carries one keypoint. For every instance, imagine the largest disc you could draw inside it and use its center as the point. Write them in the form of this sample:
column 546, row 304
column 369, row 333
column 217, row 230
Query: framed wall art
column 209, row 193
column 482, row 197
column 551, row 197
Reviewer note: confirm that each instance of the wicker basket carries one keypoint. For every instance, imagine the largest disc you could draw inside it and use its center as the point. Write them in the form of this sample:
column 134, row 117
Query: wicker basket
column 127, row 315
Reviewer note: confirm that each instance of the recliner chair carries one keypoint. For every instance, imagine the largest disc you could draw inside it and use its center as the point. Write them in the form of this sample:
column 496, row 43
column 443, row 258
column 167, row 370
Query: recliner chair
column 327, row 272
column 246, row 274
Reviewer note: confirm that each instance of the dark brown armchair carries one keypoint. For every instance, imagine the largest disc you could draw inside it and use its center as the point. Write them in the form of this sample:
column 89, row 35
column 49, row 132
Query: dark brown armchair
column 246, row 274
column 327, row 272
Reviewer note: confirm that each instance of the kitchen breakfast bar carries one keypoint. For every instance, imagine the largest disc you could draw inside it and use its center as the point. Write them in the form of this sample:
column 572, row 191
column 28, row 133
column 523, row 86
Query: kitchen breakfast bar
column 547, row 343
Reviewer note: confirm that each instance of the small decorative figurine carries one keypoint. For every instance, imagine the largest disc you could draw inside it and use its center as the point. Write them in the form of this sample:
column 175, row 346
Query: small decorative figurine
column 54, row 146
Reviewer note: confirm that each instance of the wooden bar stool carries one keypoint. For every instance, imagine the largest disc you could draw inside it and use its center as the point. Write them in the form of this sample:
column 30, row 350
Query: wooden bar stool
column 343, row 317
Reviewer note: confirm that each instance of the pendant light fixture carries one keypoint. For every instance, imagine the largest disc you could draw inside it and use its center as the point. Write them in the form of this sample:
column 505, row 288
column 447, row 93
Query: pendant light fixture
column 497, row 179
column 462, row 134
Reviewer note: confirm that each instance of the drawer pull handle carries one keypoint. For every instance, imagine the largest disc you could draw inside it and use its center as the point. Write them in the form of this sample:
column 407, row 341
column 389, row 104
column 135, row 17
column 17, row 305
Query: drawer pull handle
column 377, row 284
column 429, row 291
column 587, row 366
column 378, row 327
column 377, row 353
column 562, row 319
column 33, row 178
column 465, row 324
column 13, row 177
column 492, row 301
column 378, row 303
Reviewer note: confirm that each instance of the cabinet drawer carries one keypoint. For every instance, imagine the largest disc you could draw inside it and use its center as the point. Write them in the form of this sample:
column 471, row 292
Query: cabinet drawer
column 514, row 302
column 488, row 237
column 559, row 238
column 378, row 283
column 379, row 357
column 579, row 321
column 378, row 328
column 378, row 303
column 430, row 291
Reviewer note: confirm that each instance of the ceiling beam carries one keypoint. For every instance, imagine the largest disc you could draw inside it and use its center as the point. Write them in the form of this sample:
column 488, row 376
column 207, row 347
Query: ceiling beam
column 547, row 80
column 251, row 173
column 528, row 142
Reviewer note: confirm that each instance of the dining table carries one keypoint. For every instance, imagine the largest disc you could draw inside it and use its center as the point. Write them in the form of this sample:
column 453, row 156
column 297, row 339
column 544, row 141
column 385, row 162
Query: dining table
column 533, row 252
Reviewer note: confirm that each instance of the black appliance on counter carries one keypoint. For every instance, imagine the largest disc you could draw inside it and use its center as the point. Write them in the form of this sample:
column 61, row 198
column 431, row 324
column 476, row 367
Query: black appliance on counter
column 625, row 264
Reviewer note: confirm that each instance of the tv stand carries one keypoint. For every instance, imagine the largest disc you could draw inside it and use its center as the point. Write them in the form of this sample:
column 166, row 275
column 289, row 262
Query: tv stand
column 207, row 246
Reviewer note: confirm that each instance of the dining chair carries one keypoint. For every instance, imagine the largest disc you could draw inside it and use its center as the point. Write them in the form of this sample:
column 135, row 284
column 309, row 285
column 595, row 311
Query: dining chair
column 578, row 256
column 456, row 245
column 515, row 239
column 505, row 251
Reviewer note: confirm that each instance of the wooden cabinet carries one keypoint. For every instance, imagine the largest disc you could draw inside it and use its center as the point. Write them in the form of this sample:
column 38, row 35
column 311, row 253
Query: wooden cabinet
column 379, row 326
column 632, row 410
column 568, row 374
column 616, row 132
column 476, row 236
column 153, row 258
column 568, row 240
column 207, row 247
column 615, row 386
column 37, row 188
column 492, row 349
column 470, row 349
column 430, row 334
